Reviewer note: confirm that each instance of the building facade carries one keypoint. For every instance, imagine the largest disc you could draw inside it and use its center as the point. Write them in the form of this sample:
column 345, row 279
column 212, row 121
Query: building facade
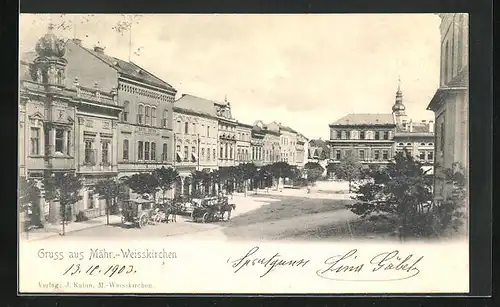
column 227, row 134
column 451, row 101
column 302, row 150
column 243, row 143
column 367, row 136
column 257, row 143
column 65, row 128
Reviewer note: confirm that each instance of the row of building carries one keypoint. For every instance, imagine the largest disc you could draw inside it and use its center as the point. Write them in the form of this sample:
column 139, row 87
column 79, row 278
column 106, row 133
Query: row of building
column 84, row 111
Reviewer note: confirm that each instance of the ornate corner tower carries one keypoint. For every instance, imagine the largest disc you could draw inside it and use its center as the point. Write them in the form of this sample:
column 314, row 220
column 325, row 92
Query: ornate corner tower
column 49, row 67
column 398, row 109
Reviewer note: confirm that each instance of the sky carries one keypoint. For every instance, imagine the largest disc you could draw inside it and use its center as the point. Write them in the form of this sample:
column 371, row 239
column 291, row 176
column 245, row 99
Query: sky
column 303, row 70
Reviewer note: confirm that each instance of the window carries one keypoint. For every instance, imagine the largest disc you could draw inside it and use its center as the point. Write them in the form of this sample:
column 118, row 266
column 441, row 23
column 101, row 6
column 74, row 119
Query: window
column 147, row 116
column 442, row 136
column 186, row 153
column 193, row 126
column 208, row 154
column 226, row 151
column 179, row 127
column 125, row 111
column 146, row 150
column 422, row 144
column 401, row 144
column 337, row 154
column 140, row 113
column 362, row 135
column 430, row 144
column 361, row 154
column 153, row 151
column 460, row 41
column 140, row 150
column 230, row 152
column 164, row 119
column 385, row 134
column 208, row 131
column 430, row 155
column 408, row 144
column 165, row 152
column 221, row 152
column 376, row 155
column 214, row 154
column 125, row 149
column 35, row 141
column 193, row 152
column 59, row 140
column 186, row 127
column 105, row 152
column 422, row 155
column 153, row 116
column 385, row 155
column 89, row 153
column 68, row 143
column 238, row 154
column 377, row 135
column 202, row 154
column 178, row 148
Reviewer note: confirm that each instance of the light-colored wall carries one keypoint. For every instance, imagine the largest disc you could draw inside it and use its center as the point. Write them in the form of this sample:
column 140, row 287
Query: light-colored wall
column 454, row 32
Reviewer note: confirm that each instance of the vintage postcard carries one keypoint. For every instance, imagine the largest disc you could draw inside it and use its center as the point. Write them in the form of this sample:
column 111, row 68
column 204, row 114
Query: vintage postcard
column 245, row 154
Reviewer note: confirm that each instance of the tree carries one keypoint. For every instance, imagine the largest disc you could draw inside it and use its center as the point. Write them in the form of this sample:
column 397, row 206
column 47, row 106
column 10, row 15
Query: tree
column 29, row 197
column 143, row 183
column 313, row 171
column 199, row 178
column 325, row 152
column 398, row 194
column 166, row 177
column 279, row 170
column 66, row 188
column 244, row 173
column 108, row 189
column 348, row 169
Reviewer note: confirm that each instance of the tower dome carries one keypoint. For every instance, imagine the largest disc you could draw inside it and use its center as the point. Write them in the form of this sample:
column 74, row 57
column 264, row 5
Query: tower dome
column 398, row 105
column 50, row 46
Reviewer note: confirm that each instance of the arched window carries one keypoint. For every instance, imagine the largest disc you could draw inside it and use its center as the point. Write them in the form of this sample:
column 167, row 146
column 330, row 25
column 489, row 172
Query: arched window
column 460, row 41
column 164, row 119
column 186, row 127
column 147, row 117
column 140, row 114
column 126, row 105
column 446, row 57
column 153, row 116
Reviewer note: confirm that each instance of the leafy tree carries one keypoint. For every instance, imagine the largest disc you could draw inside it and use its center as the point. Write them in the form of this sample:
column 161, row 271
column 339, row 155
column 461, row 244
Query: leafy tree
column 108, row 189
column 64, row 187
column 215, row 179
column 348, row 169
column 279, row 170
column 245, row 172
column 199, row 178
column 143, row 183
column 29, row 198
column 313, row 171
column 325, row 152
column 166, row 177
column 398, row 194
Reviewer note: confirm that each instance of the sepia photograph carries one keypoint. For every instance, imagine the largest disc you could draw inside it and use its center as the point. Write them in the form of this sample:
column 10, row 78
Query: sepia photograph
column 235, row 131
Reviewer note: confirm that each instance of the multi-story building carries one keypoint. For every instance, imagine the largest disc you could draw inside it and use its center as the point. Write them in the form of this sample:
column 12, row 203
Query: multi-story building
column 243, row 143
column 71, row 128
column 288, row 142
column 257, row 143
column 451, row 101
column 302, row 150
column 227, row 134
column 376, row 138
column 196, row 137
column 367, row 136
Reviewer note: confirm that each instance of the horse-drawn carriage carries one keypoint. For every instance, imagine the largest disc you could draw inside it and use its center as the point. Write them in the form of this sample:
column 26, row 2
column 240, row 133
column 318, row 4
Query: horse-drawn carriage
column 137, row 212
column 211, row 209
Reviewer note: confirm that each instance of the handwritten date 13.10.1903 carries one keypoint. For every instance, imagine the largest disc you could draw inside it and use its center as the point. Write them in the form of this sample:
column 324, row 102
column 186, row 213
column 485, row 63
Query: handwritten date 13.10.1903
column 95, row 269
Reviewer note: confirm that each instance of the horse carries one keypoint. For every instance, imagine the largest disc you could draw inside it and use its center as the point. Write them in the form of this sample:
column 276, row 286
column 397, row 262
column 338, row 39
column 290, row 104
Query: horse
column 172, row 210
column 227, row 208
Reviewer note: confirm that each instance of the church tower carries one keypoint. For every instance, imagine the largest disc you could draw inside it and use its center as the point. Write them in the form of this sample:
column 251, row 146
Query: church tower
column 398, row 109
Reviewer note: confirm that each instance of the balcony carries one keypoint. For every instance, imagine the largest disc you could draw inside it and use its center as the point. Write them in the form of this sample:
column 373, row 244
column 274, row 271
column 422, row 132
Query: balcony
column 59, row 162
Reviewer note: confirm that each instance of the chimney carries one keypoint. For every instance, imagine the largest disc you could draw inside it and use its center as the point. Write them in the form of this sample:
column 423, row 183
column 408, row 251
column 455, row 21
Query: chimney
column 411, row 125
column 99, row 49
column 77, row 41
column 431, row 126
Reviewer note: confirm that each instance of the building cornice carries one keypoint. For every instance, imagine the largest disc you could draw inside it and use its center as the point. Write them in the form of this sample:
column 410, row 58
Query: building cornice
column 140, row 82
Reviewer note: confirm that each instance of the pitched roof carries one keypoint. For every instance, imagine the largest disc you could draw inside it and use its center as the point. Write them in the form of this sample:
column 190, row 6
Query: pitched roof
column 129, row 68
column 365, row 119
column 416, row 128
column 196, row 104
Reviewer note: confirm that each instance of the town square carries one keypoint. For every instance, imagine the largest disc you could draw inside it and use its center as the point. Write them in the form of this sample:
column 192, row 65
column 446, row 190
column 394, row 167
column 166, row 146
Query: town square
column 235, row 136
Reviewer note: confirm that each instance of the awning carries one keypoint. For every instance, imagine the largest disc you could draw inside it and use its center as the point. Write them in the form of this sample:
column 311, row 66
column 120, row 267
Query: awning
column 429, row 170
column 179, row 156
column 194, row 156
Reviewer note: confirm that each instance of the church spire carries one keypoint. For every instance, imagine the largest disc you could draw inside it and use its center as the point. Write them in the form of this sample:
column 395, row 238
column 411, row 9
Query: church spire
column 398, row 105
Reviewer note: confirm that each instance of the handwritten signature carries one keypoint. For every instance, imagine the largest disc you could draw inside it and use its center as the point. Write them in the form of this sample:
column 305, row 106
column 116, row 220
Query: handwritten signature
column 386, row 266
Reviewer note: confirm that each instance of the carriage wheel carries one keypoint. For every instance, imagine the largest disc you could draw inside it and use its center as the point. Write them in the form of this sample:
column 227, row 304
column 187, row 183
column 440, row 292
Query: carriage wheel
column 143, row 220
column 205, row 217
